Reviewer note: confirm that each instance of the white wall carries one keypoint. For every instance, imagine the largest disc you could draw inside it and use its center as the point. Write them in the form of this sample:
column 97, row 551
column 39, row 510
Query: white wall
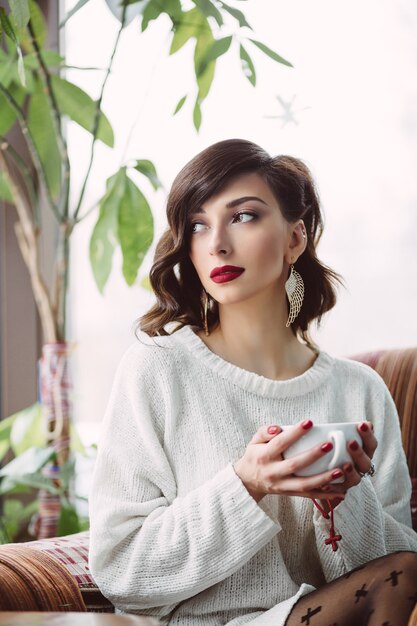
column 354, row 84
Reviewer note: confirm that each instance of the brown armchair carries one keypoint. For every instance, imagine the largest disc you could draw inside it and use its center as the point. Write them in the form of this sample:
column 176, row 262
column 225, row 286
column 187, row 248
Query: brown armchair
column 53, row 574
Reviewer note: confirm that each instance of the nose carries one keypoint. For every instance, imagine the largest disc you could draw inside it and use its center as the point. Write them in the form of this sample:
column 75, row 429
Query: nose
column 218, row 242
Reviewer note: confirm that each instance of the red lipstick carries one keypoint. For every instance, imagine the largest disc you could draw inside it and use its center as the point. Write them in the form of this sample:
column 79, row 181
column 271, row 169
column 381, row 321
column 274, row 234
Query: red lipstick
column 226, row 273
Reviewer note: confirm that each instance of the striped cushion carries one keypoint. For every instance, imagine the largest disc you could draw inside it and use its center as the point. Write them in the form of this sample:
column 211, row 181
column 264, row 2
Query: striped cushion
column 72, row 554
column 33, row 581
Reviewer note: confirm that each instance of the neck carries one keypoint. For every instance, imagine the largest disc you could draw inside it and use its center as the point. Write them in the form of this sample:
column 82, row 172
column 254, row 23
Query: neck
column 255, row 338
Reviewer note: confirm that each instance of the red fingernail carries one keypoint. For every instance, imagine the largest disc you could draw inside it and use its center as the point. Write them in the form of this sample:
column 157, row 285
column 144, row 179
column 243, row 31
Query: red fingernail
column 337, row 473
column 326, row 447
column 363, row 427
column 349, row 467
column 307, row 424
column 353, row 445
column 272, row 430
column 326, row 488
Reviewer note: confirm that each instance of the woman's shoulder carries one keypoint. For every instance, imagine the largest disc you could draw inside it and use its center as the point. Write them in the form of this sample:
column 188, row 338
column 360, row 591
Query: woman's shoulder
column 350, row 372
column 147, row 349
column 149, row 355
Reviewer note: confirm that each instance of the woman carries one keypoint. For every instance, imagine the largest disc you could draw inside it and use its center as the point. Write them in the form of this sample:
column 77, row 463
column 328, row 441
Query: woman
column 196, row 516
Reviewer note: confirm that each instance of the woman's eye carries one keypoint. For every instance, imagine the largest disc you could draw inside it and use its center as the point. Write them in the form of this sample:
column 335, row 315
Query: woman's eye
column 195, row 227
column 244, row 216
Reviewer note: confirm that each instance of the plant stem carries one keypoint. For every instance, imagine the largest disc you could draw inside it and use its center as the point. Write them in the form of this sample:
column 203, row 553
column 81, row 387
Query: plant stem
column 61, row 287
column 87, row 213
column 27, row 237
column 56, row 121
column 5, row 145
column 97, row 114
column 32, row 149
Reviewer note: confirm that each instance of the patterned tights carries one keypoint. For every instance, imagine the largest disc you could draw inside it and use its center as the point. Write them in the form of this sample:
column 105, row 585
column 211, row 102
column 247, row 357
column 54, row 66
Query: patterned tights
column 382, row 592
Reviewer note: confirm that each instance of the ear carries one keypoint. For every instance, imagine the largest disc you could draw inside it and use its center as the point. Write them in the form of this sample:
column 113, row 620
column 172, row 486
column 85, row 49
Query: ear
column 297, row 242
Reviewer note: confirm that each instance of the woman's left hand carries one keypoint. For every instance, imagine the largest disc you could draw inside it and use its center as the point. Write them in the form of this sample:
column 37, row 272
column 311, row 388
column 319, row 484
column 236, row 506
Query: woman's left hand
column 361, row 458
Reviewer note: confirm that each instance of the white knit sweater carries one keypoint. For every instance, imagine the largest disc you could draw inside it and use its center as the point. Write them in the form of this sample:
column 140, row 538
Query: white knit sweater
column 175, row 534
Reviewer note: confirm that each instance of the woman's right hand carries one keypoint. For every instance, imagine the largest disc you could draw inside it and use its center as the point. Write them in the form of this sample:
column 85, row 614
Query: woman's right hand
column 263, row 470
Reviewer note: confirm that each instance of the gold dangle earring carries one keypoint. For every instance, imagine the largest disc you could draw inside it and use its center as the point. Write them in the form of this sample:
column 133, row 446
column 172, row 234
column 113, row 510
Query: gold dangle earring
column 295, row 292
column 205, row 322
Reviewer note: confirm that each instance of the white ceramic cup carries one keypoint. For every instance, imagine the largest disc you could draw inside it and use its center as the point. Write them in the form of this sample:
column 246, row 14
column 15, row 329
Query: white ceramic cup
column 338, row 433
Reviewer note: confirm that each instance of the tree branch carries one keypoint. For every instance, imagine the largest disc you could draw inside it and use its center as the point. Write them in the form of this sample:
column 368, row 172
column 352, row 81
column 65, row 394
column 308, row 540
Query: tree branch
column 24, row 171
column 28, row 244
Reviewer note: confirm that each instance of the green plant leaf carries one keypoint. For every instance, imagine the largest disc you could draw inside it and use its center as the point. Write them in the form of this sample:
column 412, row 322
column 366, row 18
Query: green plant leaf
column 105, row 234
column 76, row 443
column 44, row 137
column 7, row 26
column 146, row 167
column 80, row 107
column 237, row 14
column 27, row 430
column 20, row 12
column 68, row 522
column 204, row 79
column 21, row 67
column 152, row 11
column 38, row 23
column 5, row 430
column 50, row 58
column 192, row 23
column 12, row 514
column 180, row 105
column 67, row 473
column 10, row 32
column 27, row 463
column 215, row 50
column 248, row 67
column 6, row 195
column 146, row 283
column 7, row 113
column 15, row 515
column 33, row 481
column 135, row 229
column 197, row 115
column 273, row 55
column 174, row 10
column 74, row 10
column 209, row 10
column 9, row 487
column 7, row 66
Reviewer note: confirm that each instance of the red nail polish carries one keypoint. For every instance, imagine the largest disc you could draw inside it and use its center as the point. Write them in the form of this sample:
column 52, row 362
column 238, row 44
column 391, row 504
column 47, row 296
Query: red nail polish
column 337, row 473
column 307, row 424
column 326, row 447
column 364, row 427
column 349, row 467
column 272, row 430
column 354, row 445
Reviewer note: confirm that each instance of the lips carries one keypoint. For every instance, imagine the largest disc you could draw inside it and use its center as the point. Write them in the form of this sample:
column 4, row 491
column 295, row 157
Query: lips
column 226, row 273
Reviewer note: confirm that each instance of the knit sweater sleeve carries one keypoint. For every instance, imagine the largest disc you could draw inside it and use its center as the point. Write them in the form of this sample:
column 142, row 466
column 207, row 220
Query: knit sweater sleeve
column 150, row 548
column 375, row 517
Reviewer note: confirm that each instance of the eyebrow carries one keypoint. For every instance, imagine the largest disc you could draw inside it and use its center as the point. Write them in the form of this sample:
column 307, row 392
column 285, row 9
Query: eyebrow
column 233, row 203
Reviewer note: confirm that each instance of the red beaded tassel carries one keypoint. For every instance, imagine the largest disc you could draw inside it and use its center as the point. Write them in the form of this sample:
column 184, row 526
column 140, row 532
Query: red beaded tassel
column 332, row 538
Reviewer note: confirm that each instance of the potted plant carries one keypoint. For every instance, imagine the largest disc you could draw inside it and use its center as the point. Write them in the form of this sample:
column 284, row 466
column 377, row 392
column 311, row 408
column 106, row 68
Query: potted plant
column 36, row 98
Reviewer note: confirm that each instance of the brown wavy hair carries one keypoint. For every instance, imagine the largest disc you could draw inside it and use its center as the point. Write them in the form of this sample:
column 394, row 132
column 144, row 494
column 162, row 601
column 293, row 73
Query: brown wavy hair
column 179, row 292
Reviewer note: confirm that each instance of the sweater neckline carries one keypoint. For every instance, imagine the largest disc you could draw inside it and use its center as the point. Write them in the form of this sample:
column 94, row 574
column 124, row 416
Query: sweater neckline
column 250, row 381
